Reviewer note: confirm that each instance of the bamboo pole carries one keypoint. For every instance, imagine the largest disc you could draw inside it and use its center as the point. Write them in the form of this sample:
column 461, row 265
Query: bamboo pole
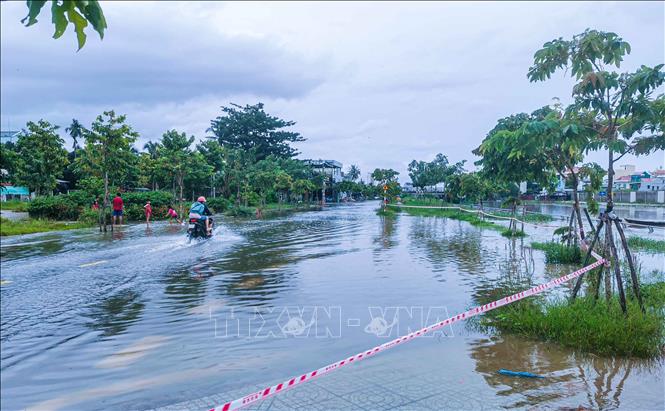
column 578, row 284
column 631, row 265
column 588, row 217
column 617, row 269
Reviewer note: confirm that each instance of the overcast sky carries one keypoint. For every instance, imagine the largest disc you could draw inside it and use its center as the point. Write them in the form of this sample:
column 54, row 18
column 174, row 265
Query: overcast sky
column 372, row 84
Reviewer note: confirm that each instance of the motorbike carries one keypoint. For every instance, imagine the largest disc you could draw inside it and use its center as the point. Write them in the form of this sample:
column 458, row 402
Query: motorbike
column 197, row 229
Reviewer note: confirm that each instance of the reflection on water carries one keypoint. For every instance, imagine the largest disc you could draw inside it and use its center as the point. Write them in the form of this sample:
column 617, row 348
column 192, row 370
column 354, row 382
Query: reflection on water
column 146, row 327
column 570, row 377
column 114, row 314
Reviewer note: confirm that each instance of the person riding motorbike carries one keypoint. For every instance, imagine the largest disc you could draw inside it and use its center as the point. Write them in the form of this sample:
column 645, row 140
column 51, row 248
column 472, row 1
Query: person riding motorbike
column 200, row 210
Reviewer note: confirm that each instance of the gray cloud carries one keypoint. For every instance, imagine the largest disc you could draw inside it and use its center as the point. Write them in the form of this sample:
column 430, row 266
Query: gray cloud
column 374, row 84
column 167, row 59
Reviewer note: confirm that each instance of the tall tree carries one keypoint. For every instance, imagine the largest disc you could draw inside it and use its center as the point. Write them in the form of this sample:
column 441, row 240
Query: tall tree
column 108, row 153
column 75, row 131
column 418, row 172
column 215, row 155
column 251, row 128
column 547, row 142
column 628, row 118
column 174, row 157
column 77, row 12
column 8, row 163
column 41, row 157
column 384, row 175
column 354, row 172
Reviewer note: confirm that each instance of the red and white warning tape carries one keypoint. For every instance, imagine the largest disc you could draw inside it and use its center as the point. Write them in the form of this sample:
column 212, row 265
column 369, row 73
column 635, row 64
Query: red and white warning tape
column 269, row 391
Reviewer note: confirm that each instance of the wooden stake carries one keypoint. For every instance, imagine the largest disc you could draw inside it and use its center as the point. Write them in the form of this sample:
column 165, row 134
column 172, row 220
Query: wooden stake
column 588, row 217
column 631, row 265
column 617, row 269
column 578, row 284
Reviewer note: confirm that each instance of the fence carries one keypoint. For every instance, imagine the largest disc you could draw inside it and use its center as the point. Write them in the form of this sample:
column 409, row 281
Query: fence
column 639, row 197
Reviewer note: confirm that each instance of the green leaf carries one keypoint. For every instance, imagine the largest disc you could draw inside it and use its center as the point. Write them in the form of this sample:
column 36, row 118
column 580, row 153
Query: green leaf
column 34, row 7
column 59, row 19
column 80, row 23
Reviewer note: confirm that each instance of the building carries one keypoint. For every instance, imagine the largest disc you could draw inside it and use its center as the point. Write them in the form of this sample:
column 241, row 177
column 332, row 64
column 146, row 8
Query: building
column 332, row 168
column 624, row 170
column 652, row 184
column 9, row 136
column 8, row 192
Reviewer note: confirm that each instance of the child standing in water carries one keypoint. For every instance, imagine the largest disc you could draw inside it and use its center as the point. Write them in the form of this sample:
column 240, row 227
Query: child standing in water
column 148, row 213
column 172, row 215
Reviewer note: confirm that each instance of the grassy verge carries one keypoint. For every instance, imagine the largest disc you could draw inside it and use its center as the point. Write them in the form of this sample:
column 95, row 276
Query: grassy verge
column 471, row 218
column 647, row 244
column 592, row 326
column 14, row 205
column 529, row 217
column 29, row 226
column 559, row 253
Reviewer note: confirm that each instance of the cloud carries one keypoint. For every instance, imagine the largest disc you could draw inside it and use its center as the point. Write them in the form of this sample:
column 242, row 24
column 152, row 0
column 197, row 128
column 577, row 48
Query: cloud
column 165, row 57
column 372, row 84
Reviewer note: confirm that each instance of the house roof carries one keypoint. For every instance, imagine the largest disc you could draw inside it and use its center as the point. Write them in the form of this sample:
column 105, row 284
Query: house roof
column 622, row 179
column 659, row 172
column 15, row 190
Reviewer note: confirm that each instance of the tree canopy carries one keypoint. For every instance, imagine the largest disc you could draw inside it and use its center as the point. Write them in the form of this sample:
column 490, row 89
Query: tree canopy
column 627, row 117
column 251, row 128
column 41, row 157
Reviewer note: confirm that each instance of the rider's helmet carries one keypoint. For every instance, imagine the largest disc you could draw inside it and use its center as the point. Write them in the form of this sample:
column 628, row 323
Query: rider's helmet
column 201, row 199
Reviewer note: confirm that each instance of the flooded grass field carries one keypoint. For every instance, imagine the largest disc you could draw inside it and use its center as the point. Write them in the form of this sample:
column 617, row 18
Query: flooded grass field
column 140, row 319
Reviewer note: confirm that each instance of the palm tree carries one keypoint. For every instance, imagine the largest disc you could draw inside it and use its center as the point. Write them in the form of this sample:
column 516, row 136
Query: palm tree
column 75, row 130
column 152, row 149
column 354, row 172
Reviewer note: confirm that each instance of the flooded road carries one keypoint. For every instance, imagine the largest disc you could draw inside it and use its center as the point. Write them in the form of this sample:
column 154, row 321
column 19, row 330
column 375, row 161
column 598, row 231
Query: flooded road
column 138, row 319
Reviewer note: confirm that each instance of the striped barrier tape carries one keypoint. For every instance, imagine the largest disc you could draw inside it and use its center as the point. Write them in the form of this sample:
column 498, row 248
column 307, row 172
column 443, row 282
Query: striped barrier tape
column 293, row 382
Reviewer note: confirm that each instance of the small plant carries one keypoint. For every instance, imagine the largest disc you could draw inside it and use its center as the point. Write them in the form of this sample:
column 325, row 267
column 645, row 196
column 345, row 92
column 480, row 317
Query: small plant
column 647, row 244
column 593, row 326
column 510, row 233
column 559, row 253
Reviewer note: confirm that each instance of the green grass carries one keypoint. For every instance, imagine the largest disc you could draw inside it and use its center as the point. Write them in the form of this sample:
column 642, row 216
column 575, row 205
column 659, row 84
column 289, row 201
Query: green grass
column 529, row 217
column 559, row 253
column 592, row 326
column 386, row 211
column 510, row 233
column 14, row 205
column 471, row 218
column 29, row 226
column 647, row 244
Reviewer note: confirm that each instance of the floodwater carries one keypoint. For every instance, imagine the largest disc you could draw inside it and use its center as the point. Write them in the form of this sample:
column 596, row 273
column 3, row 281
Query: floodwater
column 139, row 318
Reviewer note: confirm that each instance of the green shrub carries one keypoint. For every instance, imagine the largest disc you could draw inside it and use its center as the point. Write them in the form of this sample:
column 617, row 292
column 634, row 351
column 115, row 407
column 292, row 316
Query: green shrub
column 90, row 216
column 219, row 204
column 60, row 207
column 157, row 198
column 241, row 211
column 135, row 212
column 559, row 253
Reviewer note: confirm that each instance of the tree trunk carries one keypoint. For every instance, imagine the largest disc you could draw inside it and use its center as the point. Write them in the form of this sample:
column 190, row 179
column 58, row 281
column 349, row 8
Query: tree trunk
column 576, row 205
column 102, row 214
column 180, row 186
column 610, row 180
